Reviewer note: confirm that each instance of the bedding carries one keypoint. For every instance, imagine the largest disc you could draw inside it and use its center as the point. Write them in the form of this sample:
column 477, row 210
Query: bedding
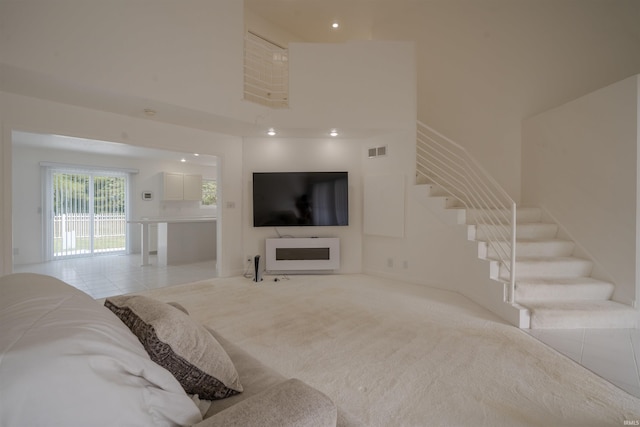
column 65, row 360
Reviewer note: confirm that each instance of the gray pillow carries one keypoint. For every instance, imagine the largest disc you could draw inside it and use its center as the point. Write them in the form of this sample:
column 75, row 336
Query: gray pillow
column 179, row 344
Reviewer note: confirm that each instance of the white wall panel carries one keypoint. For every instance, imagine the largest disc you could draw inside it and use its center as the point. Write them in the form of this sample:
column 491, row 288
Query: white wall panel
column 384, row 205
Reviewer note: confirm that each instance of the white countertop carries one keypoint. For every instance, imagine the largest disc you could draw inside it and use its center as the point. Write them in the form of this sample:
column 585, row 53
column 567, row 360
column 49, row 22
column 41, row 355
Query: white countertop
column 145, row 220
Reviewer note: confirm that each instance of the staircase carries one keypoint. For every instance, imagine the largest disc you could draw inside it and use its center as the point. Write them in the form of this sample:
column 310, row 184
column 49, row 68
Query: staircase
column 547, row 283
column 554, row 287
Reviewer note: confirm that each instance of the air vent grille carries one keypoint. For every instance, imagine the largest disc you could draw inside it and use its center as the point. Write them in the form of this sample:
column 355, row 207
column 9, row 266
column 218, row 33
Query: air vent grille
column 377, row 151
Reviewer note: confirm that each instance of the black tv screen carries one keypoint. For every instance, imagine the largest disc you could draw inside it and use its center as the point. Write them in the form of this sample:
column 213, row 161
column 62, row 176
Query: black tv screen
column 300, row 199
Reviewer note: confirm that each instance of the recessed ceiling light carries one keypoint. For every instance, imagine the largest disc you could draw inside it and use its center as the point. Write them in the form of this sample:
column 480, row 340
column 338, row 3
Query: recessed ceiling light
column 335, row 25
column 149, row 112
column 271, row 132
column 196, row 154
column 183, row 160
column 333, row 132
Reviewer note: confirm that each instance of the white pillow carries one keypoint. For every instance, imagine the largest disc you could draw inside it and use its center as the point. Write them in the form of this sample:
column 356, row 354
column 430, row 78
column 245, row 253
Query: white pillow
column 180, row 344
column 65, row 360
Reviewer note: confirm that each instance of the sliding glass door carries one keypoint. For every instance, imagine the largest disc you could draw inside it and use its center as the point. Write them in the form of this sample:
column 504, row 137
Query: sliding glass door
column 88, row 212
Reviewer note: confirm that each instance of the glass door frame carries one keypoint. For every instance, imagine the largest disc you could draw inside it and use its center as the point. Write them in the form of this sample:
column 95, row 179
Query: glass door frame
column 48, row 218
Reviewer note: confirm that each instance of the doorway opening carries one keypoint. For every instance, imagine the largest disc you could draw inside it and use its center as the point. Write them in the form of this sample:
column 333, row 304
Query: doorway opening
column 92, row 252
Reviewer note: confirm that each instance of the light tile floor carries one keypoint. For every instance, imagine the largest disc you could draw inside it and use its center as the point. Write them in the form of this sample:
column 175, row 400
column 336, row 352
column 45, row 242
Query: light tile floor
column 108, row 275
column 613, row 354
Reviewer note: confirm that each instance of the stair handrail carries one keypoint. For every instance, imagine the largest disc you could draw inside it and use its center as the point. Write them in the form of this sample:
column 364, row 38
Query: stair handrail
column 447, row 164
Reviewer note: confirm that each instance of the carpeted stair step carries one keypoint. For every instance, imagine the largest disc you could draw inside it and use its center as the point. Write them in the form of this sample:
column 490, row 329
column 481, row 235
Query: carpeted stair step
column 553, row 288
column 527, row 248
column 549, row 267
column 534, row 230
column 562, row 288
column 581, row 314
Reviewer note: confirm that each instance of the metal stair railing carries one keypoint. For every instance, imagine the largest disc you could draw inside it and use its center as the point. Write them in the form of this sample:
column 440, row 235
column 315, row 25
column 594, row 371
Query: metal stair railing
column 266, row 72
column 448, row 165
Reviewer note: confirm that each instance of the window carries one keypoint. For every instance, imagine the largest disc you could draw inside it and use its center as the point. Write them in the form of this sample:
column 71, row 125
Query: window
column 209, row 192
column 88, row 212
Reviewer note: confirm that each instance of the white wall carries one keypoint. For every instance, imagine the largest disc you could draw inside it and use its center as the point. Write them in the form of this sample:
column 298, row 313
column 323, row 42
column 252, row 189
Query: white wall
column 580, row 163
column 355, row 85
column 185, row 60
column 432, row 251
column 39, row 116
column 28, row 193
column 186, row 53
column 484, row 66
column 317, row 155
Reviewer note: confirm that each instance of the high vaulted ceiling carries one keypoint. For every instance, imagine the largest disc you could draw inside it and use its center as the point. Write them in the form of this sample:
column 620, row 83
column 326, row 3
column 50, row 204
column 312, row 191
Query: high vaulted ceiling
column 311, row 19
column 550, row 50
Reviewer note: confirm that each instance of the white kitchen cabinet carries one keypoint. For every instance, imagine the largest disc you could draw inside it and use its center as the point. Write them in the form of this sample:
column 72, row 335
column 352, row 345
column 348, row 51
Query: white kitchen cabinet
column 179, row 186
column 192, row 187
column 172, row 188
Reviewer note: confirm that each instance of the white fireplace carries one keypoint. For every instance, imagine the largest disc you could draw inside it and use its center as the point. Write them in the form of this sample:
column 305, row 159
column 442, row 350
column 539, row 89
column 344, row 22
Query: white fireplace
column 307, row 254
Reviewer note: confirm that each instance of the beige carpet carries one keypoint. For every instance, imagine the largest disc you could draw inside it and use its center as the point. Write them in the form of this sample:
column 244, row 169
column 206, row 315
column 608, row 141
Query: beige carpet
column 396, row 354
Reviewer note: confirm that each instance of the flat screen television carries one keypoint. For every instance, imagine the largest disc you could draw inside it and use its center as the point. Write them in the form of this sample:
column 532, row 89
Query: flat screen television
column 300, row 199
